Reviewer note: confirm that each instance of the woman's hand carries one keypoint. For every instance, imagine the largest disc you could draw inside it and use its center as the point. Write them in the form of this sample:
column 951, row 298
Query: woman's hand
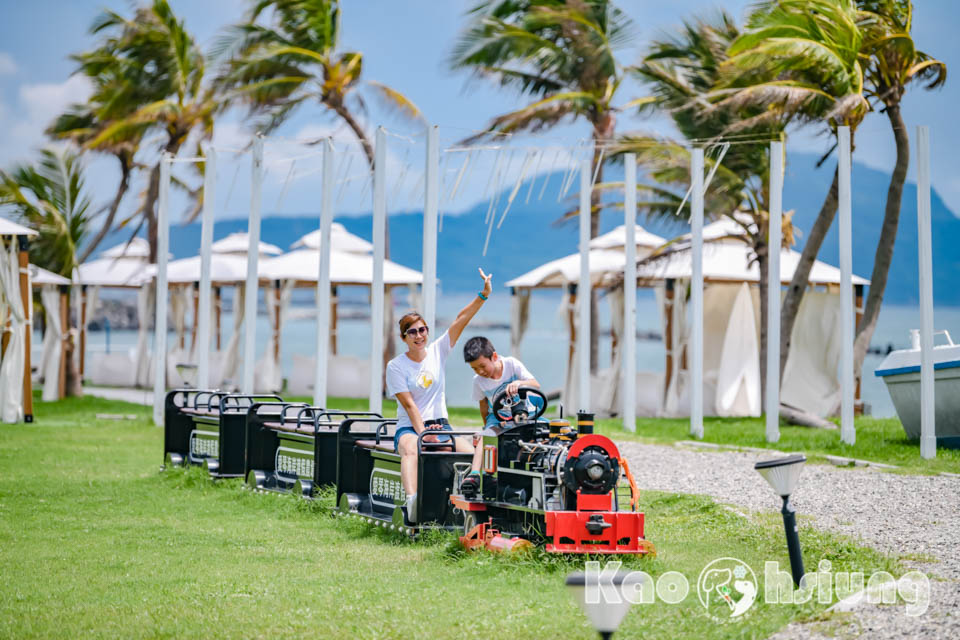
column 431, row 438
column 487, row 287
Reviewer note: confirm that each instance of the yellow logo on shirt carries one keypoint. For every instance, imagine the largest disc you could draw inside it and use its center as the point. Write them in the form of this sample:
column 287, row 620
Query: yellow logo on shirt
column 424, row 380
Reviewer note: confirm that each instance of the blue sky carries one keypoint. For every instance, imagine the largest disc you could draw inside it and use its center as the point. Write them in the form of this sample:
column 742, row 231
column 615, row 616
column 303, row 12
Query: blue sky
column 405, row 45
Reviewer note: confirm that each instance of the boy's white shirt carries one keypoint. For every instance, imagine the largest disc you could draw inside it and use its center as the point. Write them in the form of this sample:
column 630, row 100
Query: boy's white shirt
column 488, row 388
column 424, row 380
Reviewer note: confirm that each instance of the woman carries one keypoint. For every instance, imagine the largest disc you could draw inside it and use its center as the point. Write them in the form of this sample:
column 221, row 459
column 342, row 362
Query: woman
column 416, row 379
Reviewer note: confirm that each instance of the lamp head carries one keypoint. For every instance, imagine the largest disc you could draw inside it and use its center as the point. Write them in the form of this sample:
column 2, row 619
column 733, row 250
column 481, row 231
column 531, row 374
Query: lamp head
column 604, row 615
column 782, row 473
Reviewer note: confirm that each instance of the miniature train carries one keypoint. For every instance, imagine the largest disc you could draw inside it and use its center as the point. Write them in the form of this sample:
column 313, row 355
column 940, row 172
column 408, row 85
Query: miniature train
column 541, row 482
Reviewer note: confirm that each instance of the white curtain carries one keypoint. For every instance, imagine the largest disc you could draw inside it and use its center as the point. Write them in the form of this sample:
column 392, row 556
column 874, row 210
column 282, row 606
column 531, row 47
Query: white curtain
column 674, row 388
column 11, row 369
column 179, row 303
column 231, row 359
column 610, row 388
column 145, row 311
column 738, row 374
column 519, row 318
column 52, row 343
column 269, row 373
column 810, row 377
column 90, row 304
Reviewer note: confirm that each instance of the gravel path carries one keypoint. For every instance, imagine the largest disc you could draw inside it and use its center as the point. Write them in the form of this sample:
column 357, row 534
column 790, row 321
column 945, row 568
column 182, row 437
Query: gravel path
column 897, row 514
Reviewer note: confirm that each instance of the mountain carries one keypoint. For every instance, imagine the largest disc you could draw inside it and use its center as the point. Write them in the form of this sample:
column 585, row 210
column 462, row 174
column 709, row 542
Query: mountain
column 530, row 236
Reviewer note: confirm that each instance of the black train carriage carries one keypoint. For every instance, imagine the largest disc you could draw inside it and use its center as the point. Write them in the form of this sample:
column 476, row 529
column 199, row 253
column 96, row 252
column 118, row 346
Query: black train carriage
column 368, row 477
column 293, row 447
column 545, row 482
column 208, row 427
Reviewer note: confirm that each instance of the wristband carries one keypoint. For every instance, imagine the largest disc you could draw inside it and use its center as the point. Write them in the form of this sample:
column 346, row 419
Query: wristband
column 482, row 297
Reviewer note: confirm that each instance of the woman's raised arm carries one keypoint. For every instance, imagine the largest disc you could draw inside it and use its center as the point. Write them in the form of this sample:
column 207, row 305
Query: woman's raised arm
column 466, row 314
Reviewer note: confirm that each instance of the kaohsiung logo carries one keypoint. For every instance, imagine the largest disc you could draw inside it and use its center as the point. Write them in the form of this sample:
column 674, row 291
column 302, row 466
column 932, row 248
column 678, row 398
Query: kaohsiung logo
column 728, row 590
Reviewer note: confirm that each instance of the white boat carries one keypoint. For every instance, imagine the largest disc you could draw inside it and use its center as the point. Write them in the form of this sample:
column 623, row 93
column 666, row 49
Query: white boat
column 900, row 370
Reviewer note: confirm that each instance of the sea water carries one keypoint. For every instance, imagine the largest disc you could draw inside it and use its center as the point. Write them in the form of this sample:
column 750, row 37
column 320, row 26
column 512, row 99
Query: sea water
column 545, row 345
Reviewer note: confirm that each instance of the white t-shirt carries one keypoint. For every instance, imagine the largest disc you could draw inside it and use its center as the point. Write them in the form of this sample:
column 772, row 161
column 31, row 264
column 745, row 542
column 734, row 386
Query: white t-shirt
column 424, row 380
column 488, row 388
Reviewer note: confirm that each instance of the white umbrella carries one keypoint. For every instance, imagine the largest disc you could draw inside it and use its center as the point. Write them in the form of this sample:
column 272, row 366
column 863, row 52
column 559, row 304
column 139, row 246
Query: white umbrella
column 239, row 243
column 617, row 238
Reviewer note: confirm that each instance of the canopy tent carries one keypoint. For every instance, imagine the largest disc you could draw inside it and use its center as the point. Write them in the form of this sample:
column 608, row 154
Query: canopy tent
column 16, row 308
column 301, row 268
column 607, row 263
column 54, row 297
column 340, row 240
column 239, row 244
column 124, row 266
column 732, row 318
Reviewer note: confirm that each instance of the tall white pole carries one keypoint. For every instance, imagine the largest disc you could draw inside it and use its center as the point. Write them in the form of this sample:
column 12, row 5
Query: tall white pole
column 629, row 337
column 160, row 323
column 848, row 431
column 584, row 288
column 376, row 287
column 696, row 294
column 206, row 241
column 253, row 255
column 774, row 241
column 323, row 278
column 431, row 210
column 928, row 431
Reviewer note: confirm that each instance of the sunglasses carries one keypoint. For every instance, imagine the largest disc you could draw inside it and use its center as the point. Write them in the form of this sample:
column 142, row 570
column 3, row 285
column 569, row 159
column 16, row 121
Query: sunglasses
column 418, row 331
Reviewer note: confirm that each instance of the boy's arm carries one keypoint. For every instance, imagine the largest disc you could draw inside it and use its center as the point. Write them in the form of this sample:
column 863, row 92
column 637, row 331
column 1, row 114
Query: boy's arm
column 516, row 384
column 484, row 410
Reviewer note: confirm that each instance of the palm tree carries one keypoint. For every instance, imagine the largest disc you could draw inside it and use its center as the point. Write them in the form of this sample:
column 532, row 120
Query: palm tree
column 51, row 198
column 152, row 76
column 294, row 60
column 560, row 52
column 801, row 58
column 681, row 74
column 893, row 62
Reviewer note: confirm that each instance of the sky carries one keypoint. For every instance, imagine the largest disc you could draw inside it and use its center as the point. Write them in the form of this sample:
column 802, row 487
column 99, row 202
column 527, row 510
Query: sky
column 406, row 45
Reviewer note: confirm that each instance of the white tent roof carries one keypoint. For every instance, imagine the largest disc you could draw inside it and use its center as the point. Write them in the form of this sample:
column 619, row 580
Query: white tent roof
column 340, row 240
column 114, row 272
column 224, row 268
column 137, row 248
column 617, row 238
column 728, row 261
column 345, row 268
column 566, row 270
column 239, row 243
column 8, row 228
column 40, row 276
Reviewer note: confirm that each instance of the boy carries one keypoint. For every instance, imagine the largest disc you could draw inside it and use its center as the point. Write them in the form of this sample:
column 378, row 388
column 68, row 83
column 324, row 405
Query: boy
column 493, row 375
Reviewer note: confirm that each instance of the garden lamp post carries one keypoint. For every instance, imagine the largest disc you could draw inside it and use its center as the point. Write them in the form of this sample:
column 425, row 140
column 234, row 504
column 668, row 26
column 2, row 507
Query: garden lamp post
column 605, row 613
column 783, row 474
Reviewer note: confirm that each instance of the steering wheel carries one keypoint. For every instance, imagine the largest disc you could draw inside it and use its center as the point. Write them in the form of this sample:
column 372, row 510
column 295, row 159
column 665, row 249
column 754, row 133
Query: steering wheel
column 517, row 407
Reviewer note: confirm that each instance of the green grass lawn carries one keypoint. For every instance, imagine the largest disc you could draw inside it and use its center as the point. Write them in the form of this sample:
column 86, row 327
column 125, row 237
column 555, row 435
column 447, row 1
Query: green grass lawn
column 878, row 440
column 96, row 541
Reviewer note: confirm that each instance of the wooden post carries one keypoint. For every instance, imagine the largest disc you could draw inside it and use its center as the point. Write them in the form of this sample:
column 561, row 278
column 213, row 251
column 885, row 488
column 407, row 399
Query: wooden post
column 65, row 323
column 196, row 316
column 83, row 330
column 276, row 322
column 668, row 334
column 218, row 308
column 333, row 320
column 25, row 295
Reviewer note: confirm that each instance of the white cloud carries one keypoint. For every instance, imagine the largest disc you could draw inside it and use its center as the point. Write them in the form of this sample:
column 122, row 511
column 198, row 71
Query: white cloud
column 8, row 66
column 38, row 104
